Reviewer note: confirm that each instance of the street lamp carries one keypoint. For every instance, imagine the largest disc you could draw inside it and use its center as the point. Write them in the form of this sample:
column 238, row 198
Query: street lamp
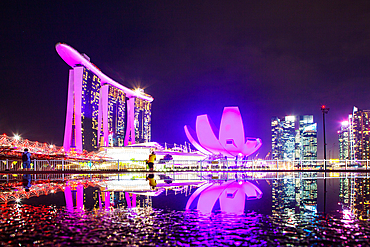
column 324, row 110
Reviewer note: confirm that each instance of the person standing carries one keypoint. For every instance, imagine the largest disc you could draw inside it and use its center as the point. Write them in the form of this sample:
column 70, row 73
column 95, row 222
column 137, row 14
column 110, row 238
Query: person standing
column 152, row 158
column 26, row 159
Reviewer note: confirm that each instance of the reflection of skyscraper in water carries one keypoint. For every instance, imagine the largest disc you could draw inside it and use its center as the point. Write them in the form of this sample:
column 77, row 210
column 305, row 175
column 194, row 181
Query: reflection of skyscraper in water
column 347, row 188
column 283, row 195
column 362, row 198
column 307, row 187
column 294, row 195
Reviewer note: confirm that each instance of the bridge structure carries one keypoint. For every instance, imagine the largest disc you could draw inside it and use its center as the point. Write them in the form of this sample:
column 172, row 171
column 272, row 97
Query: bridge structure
column 11, row 148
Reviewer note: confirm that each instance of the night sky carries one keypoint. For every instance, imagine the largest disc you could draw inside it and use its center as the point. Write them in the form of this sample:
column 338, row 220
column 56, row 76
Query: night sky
column 269, row 58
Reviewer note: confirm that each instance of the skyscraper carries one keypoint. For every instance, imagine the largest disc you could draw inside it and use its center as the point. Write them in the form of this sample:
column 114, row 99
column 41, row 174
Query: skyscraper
column 100, row 111
column 283, row 137
column 361, row 134
column 289, row 143
column 277, row 146
column 354, row 136
column 343, row 140
column 308, row 135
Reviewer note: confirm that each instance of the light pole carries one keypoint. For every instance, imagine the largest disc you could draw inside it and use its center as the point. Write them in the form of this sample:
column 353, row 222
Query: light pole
column 324, row 110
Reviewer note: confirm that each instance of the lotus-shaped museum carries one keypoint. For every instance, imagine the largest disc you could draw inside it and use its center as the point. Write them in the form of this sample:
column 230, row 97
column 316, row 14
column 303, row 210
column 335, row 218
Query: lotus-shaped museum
column 231, row 140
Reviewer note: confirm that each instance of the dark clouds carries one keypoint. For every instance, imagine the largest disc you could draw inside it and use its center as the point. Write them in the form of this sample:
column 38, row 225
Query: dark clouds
column 270, row 58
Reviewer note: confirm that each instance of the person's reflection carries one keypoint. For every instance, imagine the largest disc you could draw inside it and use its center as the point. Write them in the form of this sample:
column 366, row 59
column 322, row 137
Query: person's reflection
column 27, row 181
column 152, row 181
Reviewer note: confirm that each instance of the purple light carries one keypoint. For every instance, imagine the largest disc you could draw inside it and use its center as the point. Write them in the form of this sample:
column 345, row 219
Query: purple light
column 68, row 197
column 80, row 197
column 107, row 200
column 231, row 141
column 131, row 200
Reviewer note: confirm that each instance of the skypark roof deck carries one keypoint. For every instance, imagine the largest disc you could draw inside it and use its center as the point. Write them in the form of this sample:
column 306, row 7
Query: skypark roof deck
column 73, row 58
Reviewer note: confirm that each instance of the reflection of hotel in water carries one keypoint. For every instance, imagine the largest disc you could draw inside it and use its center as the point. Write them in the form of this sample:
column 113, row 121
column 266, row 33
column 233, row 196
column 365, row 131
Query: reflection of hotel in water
column 295, row 195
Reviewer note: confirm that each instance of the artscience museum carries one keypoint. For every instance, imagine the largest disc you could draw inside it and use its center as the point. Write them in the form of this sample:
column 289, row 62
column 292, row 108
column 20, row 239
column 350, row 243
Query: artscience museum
column 231, row 139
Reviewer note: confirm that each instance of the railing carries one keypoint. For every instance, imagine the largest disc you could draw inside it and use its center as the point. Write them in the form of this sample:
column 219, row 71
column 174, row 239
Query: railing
column 179, row 165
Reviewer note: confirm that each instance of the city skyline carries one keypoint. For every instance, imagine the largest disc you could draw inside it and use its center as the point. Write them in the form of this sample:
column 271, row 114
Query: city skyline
column 293, row 138
column 269, row 59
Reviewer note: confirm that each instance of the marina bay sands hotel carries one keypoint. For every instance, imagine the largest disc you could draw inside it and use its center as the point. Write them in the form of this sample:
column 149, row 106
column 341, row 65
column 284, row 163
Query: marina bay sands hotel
column 100, row 111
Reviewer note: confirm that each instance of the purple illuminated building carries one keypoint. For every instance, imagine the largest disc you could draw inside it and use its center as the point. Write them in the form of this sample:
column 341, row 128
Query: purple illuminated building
column 100, row 111
column 231, row 141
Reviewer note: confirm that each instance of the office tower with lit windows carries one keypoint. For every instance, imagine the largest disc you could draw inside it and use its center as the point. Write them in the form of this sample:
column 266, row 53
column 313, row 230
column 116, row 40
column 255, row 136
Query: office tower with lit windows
column 354, row 136
column 294, row 195
column 283, row 137
column 308, row 138
column 288, row 137
column 361, row 134
column 100, row 111
column 344, row 140
column 277, row 145
column 289, row 143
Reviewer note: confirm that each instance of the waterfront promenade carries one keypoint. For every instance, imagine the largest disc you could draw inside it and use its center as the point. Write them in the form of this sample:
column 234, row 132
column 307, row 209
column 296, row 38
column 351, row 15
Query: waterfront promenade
column 138, row 166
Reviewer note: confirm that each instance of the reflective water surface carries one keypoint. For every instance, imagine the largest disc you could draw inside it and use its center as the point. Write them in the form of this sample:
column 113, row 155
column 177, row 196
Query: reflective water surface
column 287, row 210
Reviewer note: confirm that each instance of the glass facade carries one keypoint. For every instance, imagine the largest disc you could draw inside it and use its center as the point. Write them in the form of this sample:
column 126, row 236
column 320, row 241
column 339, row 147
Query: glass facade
column 288, row 138
column 289, row 143
column 308, row 134
column 354, row 136
column 361, row 134
column 343, row 140
column 276, row 130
